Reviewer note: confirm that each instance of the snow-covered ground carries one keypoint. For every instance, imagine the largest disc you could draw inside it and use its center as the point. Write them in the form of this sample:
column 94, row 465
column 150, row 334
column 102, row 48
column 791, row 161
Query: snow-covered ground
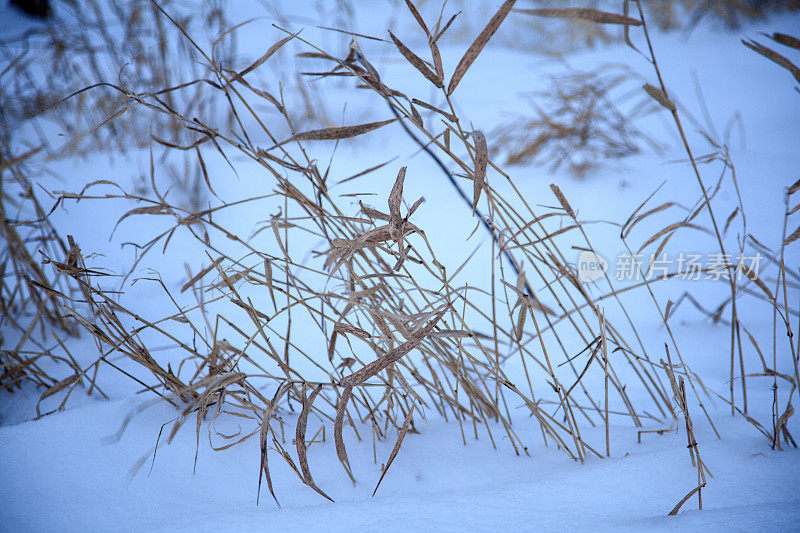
column 64, row 472
column 59, row 475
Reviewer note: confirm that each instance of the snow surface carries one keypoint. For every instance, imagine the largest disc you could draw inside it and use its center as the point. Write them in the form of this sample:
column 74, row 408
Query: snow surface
column 63, row 472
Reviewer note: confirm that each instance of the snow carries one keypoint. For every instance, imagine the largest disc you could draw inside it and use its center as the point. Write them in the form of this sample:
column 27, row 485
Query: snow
column 64, row 472
column 58, row 474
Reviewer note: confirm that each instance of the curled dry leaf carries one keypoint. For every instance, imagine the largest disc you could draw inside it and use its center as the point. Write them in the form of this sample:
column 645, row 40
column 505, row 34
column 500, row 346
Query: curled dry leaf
column 659, row 96
column 481, row 162
column 260, row 61
column 678, row 506
column 267, row 416
column 415, row 206
column 343, row 249
column 480, row 41
column 61, row 385
column 418, row 17
column 201, row 274
column 416, row 118
column 635, row 219
column 332, row 345
column 562, row 200
column 583, row 13
column 451, row 333
column 774, row 56
column 445, row 114
column 786, row 40
column 753, row 276
column 366, row 372
column 268, row 279
column 437, row 59
column 343, row 132
column 395, row 197
column 519, row 330
column 343, row 328
column 730, row 219
column 338, row 427
column 672, row 227
column 445, row 27
column 793, row 237
column 794, row 188
column 396, row 449
column 360, row 376
column 373, row 213
column 417, row 62
column 148, row 210
column 300, row 442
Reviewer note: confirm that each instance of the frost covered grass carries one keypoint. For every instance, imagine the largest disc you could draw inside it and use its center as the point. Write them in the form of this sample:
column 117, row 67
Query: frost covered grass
column 317, row 305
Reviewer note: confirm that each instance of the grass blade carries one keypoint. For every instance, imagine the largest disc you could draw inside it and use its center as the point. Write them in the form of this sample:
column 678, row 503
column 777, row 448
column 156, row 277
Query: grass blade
column 476, row 47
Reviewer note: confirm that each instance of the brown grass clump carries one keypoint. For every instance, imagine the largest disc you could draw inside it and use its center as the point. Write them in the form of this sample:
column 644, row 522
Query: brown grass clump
column 91, row 43
column 47, row 70
column 580, row 123
column 590, row 25
column 388, row 333
column 31, row 316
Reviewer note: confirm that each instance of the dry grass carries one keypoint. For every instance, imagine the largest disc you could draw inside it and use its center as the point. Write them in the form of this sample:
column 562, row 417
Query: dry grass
column 91, row 44
column 555, row 37
column 45, row 76
column 395, row 335
column 30, row 314
column 583, row 120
